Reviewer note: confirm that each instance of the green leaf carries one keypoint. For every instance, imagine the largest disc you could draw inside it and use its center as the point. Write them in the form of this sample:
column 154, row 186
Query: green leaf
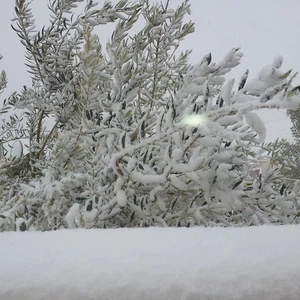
column 294, row 91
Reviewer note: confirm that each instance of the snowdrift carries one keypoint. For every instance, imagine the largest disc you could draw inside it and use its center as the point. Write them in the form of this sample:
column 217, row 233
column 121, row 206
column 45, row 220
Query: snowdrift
column 153, row 263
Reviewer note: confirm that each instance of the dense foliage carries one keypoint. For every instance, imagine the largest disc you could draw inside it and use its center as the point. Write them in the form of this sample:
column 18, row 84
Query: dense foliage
column 285, row 154
column 295, row 118
column 133, row 135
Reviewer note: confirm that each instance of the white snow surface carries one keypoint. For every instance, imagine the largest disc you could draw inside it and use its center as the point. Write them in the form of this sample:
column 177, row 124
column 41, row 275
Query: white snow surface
column 152, row 263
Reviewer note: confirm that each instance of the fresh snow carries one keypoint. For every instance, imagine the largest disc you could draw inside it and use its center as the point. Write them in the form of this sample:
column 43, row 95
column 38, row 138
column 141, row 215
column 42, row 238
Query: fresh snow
column 257, row 125
column 254, row 263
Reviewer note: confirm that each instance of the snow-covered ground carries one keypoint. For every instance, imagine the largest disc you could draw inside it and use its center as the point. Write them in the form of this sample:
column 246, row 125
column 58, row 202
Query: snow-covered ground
column 256, row 263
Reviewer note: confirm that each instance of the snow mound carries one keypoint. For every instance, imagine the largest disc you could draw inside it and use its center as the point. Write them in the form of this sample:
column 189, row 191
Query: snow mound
column 154, row 263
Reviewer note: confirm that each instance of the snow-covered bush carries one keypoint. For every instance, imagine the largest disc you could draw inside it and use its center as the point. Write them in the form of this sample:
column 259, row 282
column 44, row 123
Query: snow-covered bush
column 12, row 168
column 140, row 137
column 294, row 116
column 287, row 154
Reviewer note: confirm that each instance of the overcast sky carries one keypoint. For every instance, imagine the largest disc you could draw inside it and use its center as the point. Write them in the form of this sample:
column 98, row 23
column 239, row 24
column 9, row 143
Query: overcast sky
column 262, row 28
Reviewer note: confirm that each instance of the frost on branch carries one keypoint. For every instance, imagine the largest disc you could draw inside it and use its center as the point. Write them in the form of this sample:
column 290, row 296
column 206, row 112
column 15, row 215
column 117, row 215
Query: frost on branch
column 141, row 138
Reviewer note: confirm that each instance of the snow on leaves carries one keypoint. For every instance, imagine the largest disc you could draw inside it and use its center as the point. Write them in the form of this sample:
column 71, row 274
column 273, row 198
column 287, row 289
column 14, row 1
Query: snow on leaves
column 141, row 138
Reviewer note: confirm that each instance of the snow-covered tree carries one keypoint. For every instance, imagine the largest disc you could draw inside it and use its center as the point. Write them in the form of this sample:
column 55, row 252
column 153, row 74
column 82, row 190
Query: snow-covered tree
column 287, row 154
column 140, row 137
column 294, row 115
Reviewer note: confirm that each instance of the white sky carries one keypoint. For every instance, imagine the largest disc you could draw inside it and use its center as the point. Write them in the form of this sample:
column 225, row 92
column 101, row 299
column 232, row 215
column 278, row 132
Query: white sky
column 262, row 28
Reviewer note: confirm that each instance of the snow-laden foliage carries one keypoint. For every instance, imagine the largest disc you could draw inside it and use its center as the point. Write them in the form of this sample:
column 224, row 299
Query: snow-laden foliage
column 287, row 154
column 294, row 116
column 140, row 137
